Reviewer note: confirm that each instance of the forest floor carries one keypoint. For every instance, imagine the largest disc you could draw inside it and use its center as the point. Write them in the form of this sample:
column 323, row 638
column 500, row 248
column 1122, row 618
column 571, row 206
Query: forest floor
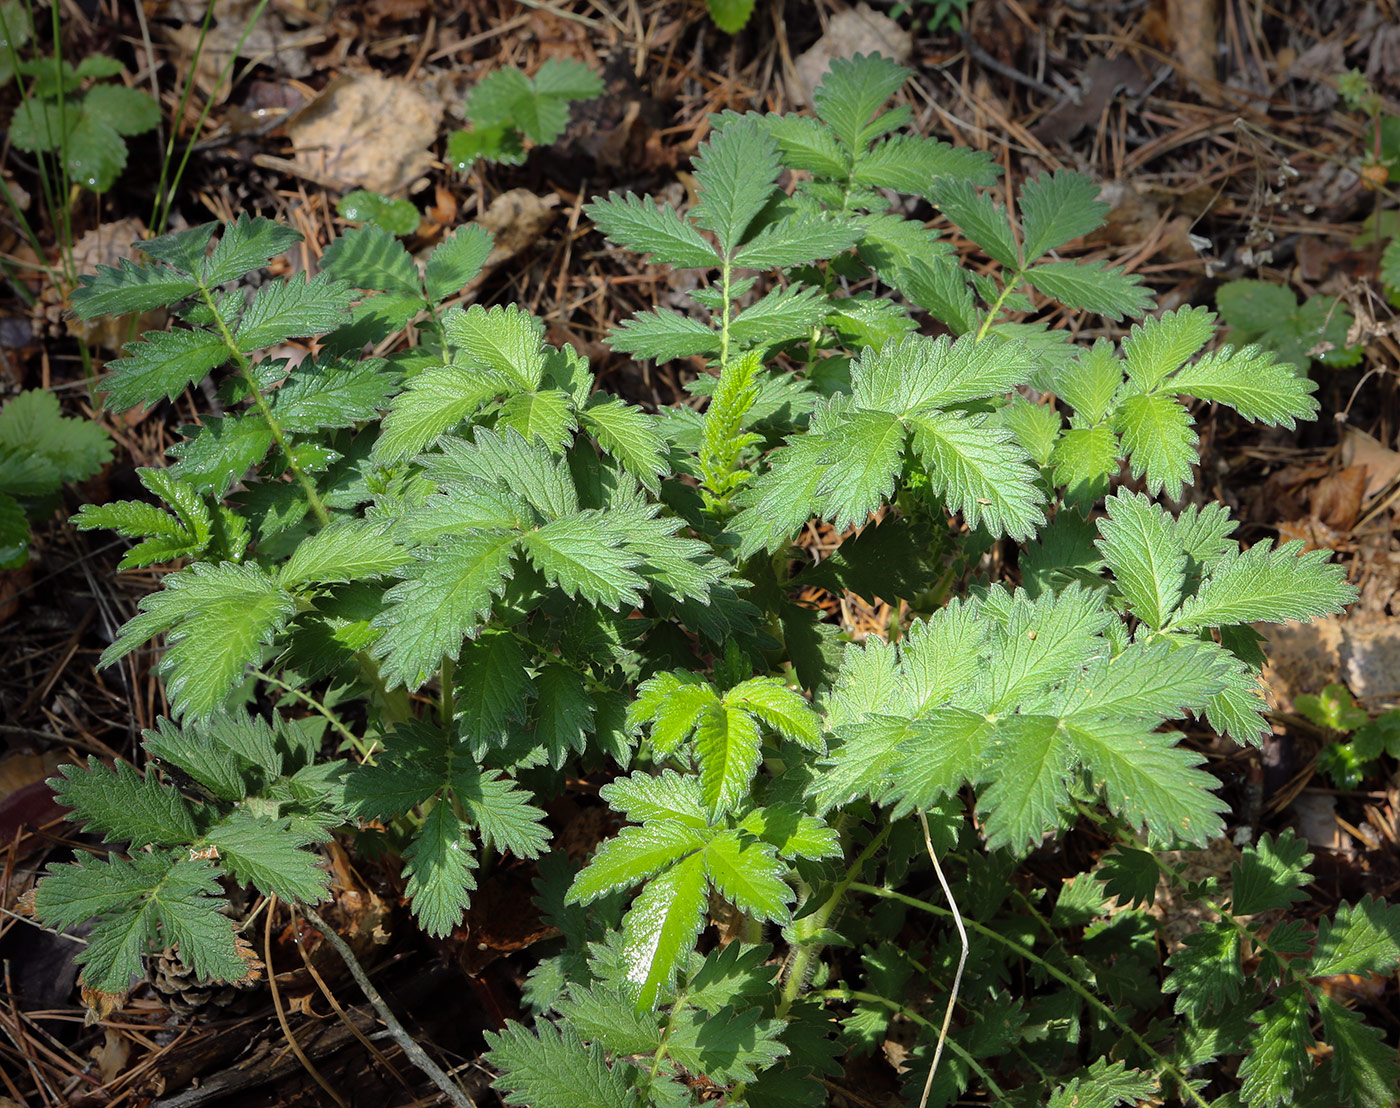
column 1217, row 131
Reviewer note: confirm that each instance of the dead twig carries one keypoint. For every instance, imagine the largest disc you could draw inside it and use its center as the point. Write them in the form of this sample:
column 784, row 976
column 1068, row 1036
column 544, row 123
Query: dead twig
column 415, row 1053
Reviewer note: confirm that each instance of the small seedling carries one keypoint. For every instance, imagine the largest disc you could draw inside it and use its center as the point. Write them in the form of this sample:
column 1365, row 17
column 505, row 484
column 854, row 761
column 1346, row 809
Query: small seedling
column 508, row 108
column 40, row 450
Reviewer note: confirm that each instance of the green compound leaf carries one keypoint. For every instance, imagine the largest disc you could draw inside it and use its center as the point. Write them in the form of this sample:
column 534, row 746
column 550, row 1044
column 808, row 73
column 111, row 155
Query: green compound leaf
column 782, row 315
column 1140, row 544
column 1159, row 346
column 807, row 144
column 1276, row 1052
column 633, row 855
column 500, row 810
column 269, row 855
column 245, row 244
column 1252, row 382
column 852, row 91
column 861, row 464
column 979, row 470
column 456, row 261
column 629, row 435
column 664, row 335
column 937, row 754
column 371, row 258
column 551, row 1068
column 150, row 896
column 444, row 597
column 1028, row 770
column 563, row 712
column 1058, row 208
column 1092, row 287
column 438, row 864
column 127, row 111
column 1269, row 876
column 783, row 709
column 1148, row 780
column 659, row 930
column 750, row 875
column 644, row 798
column 1090, row 381
column 727, row 748
column 983, row 220
column 1159, row 442
column 344, row 550
column 293, row 308
column 493, row 688
column 434, row 402
column 585, row 556
column 506, row 341
column 122, row 806
column 33, row 426
column 796, row 240
column 216, row 617
column 735, row 172
column 729, row 1047
column 918, row 165
column 1361, row 938
column 128, row 287
column 646, row 229
column 1269, row 585
column 1084, row 459
column 1364, row 1068
column 332, row 394
column 162, row 364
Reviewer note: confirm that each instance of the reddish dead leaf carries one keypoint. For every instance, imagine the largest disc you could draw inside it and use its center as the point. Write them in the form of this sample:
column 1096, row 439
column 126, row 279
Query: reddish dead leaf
column 99, row 1005
column 1336, row 500
column 1381, row 463
column 1351, row 988
column 502, row 919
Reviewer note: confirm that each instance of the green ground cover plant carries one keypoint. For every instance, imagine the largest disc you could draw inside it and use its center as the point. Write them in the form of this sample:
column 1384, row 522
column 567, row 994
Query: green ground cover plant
column 40, row 450
column 424, row 591
column 507, row 109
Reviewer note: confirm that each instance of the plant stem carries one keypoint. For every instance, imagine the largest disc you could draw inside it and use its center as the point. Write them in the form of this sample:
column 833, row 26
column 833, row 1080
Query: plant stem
column 415, row 1053
column 996, row 307
column 447, row 709
column 724, row 317
column 913, row 1017
column 245, row 369
column 1058, row 974
column 359, row 745
column 802, row 957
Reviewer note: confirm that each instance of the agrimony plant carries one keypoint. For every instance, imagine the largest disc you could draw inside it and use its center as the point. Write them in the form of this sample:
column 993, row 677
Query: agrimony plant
column 564, row 582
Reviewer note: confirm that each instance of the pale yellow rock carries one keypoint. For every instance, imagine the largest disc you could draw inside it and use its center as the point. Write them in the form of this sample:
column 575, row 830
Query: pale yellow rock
column 367, row 131
column 859, row 30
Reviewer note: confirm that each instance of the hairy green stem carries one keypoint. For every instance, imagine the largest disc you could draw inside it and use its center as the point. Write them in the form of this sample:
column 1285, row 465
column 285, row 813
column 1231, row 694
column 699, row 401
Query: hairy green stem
column 810, row 925
column 245, row 369
column 991, row 316
column 727, row 272
column 358, row 744
column 1059, row 975
column 447, row 708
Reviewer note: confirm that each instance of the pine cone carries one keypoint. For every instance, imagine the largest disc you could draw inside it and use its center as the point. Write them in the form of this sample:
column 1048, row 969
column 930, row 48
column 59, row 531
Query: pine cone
column 180, row 989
